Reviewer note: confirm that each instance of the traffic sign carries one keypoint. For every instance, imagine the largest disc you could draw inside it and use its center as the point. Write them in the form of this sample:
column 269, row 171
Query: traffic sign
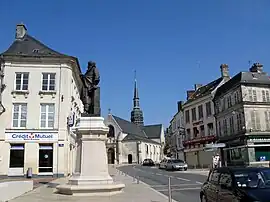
column 219, row 145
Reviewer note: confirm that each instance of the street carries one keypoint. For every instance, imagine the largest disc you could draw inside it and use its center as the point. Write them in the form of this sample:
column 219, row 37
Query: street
column 185, row 185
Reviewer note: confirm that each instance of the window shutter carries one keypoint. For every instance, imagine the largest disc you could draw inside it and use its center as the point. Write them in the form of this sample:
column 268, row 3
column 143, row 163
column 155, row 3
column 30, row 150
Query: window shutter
column 258, row 120
column 253, row 120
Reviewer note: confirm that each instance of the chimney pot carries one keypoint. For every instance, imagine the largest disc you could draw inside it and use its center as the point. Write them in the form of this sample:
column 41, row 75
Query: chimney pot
column 190, row 93
column 180, row 105
column 20, row 31
column 256, row 67
column 197, row 86
column 224, row 68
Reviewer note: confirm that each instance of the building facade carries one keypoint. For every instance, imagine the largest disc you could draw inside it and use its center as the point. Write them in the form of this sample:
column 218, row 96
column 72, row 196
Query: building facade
column 242, row 110
column 2, row 86
column 200, row 127
column 42, row 102
column 177, row 133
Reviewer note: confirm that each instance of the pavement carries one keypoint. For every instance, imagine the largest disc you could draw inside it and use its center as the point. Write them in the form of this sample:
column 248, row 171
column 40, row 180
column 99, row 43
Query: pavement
column 185, row 185
column 133, row 192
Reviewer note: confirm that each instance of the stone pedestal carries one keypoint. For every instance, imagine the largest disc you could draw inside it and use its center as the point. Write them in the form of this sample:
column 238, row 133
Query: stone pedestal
column 91, row 176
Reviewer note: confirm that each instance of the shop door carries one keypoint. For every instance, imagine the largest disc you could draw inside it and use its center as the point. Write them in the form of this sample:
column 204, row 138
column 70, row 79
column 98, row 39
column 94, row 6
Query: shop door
column 45, row 165
column 16, row 160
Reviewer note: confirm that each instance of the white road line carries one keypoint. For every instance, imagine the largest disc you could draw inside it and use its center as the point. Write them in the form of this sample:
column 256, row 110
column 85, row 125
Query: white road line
column 174, row 185
column 181, row 189
column 158, row 174
column 187, row 180
column 199, row 182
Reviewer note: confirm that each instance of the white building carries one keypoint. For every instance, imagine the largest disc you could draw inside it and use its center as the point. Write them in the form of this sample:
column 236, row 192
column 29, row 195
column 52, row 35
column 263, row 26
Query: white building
column 129, row 143
column 177, row 133
column 242, row 110
column 2, row 86
column 42, row 91
column 200, row 121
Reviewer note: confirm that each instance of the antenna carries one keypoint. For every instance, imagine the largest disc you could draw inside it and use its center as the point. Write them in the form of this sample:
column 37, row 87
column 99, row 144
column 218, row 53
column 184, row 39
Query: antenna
column 135, row 75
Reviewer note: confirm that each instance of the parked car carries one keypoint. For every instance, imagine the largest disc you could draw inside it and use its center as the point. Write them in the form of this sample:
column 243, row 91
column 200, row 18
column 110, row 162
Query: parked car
column 163, row 164
column 228, row 184
column 176, row 164
column 148, row 162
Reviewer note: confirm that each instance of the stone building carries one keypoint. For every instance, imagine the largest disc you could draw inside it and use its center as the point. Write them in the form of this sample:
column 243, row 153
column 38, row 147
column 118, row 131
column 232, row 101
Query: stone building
column 177, row 133
column 41, row 101
column 200, row 121
column 131, row 141
column 242, row 111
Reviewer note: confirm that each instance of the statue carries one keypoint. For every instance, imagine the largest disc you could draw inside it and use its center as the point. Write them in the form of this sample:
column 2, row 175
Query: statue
column 90, row 90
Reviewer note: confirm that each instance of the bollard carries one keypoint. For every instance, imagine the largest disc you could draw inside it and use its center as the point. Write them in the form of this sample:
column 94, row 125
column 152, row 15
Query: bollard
column 138, row 181
column 169, row 190
column 134, row 179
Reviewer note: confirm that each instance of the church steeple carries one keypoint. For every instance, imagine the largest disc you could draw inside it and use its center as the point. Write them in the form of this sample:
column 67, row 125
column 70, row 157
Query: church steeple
column 136, row 113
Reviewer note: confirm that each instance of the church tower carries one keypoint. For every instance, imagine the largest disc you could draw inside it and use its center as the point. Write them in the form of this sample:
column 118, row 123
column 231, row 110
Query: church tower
column 136, row 113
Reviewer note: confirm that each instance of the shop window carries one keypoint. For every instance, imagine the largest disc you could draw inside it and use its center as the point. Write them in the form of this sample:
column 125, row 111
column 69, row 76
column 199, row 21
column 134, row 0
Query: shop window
column 45, row 158
column 16, row 156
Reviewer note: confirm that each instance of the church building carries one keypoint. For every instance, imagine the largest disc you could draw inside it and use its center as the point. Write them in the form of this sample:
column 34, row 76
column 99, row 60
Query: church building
column 131, row 141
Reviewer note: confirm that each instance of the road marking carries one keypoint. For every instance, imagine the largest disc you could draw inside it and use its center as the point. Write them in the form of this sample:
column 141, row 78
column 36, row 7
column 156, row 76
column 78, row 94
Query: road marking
column 180, row 189
column 179, row 178
column 173, row 185
column 199, row 182
column 158, row 174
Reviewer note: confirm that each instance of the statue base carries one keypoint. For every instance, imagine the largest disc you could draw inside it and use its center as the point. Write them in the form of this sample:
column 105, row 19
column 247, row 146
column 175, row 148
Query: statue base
column 92, row 177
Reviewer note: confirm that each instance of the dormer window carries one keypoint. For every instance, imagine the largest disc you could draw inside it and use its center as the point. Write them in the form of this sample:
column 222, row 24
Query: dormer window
column 36, row 51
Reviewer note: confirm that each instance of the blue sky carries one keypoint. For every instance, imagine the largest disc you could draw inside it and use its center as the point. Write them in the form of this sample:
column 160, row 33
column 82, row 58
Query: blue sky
column 172, row 44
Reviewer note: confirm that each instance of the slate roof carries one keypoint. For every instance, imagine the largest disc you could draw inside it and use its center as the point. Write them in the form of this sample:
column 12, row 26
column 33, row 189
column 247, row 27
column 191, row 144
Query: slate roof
column 29, row 46
column 135, row 133
column 204, row 90
column 153, row 131
column 243, row 78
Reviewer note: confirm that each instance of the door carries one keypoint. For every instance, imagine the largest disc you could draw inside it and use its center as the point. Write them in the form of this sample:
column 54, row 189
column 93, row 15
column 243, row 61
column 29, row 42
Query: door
column 111, row 156
column 130, row 159
column 45, row 166
column 16, row 160
column 212, row 191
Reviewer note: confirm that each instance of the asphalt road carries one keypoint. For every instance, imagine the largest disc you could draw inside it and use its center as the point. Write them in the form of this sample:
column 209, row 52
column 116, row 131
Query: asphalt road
column 185, row 186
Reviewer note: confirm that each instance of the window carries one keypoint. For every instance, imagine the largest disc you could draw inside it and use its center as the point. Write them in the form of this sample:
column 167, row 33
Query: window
column 193, row 113
column 225, row 128
column 239, row 122
column 255, row 120
column 45, row 164
column 214, row 177
column 208, row 109
column 219, row 129
column 22, row 81
column 200, row 111
column 250, row 95
column 267, row 119
column 48, row 81
column 267, row 96
column 225, row 180
column 254, row 95
column 19, row 115
column 16, row 156
column 236, row 97
column 263, row 96
column 231, row 125
column 187, row 116
column 229, row 101
column 47, row 115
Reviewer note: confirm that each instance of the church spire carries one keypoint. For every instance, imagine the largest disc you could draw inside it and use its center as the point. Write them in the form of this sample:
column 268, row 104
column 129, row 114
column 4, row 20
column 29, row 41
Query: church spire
column 136, row 113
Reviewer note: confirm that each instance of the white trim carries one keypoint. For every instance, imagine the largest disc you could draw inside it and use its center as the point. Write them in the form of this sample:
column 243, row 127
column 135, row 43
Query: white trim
column 48, row 173
column 49, row 79
column 21, row 84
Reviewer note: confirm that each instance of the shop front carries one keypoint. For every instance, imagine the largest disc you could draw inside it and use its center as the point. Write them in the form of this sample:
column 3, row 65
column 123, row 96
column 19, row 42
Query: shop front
column 35, row 150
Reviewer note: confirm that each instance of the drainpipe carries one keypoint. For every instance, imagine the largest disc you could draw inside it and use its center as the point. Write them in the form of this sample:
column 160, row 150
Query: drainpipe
column 2, row 65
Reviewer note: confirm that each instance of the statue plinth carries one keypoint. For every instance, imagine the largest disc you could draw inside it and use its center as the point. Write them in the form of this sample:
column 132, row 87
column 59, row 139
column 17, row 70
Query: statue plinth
column 91, row 176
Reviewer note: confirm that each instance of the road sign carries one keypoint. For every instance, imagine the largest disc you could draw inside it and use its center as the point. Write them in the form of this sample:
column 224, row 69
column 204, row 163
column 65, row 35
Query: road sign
column 219, row 145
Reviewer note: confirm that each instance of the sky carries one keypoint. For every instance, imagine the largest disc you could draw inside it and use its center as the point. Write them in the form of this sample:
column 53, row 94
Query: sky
column 172, row 44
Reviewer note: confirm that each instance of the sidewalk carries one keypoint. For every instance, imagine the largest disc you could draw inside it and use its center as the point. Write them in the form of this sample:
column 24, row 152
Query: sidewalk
column 133, row 192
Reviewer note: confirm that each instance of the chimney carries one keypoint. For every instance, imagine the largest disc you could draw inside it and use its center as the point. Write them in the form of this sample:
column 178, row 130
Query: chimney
column 197, row 86
column 224, row 69
column 256, row 67
column 20, row 31
column 190, row 93
column 180, row 106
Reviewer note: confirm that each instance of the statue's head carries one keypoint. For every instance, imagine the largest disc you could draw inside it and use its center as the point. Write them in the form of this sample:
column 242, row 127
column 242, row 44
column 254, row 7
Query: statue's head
column 91, row 64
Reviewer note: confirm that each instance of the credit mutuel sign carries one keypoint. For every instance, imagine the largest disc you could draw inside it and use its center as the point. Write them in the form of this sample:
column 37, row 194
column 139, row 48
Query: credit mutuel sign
column 40, row 137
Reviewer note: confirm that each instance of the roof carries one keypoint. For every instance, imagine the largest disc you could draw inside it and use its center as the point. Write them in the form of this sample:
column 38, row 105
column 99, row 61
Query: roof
column 204, row 90
column 243, row 78
column 128, row 127
column 131, row 137
column 153, row 131
column 29, row 46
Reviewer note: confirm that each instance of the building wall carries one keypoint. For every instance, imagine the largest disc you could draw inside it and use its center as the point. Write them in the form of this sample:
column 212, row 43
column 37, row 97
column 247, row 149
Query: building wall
column 65, row 99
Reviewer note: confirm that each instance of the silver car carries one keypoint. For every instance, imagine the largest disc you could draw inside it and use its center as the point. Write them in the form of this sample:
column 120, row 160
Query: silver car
column 176, row 164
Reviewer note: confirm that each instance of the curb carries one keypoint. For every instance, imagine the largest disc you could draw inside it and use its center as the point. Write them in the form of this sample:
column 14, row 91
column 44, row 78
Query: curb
column 147, row 185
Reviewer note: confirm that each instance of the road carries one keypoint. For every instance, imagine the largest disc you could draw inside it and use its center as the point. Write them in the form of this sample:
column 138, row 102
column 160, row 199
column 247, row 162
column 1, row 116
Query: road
column 185, row 185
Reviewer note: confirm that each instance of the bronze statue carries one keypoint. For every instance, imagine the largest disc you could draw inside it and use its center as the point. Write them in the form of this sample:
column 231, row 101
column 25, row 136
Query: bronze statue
column 89, row 96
